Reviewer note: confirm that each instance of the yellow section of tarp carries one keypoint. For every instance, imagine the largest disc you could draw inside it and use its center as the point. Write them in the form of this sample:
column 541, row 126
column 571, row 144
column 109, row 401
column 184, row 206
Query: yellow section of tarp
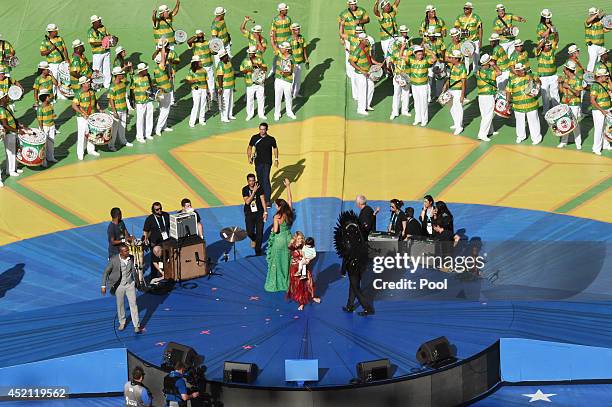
column 596, row 208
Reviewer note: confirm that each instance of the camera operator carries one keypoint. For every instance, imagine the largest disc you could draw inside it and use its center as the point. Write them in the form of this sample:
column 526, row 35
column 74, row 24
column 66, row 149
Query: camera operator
column 136, row 393
column 175, row 387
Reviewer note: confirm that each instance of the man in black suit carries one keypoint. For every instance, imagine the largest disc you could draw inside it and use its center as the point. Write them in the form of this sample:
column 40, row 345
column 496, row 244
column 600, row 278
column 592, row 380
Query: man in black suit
column 367, row 216
column 120, row 273
column 413, row 227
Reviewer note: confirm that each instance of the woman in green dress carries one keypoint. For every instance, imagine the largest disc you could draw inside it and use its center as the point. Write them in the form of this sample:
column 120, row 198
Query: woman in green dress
column 278, row 255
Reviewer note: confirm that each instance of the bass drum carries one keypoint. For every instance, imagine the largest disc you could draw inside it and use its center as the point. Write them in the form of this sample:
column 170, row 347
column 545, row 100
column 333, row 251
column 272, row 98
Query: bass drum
column 439, row 70
column 561, row 120
column 445, row 98
column 502, row 107
column 100, row 126
column 375, row 73
column 63, row 73
column 31, row 150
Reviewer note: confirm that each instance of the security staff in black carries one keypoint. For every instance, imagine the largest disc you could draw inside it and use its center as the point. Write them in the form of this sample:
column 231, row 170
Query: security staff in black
column 175, row 387
column 136, row 394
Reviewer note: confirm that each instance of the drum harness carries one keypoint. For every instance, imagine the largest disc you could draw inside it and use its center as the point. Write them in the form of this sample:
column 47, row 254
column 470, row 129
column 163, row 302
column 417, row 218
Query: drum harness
column 56, row 48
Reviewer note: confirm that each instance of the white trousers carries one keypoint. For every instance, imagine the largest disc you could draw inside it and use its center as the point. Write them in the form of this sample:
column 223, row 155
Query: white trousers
column 593, row 51
column 144, row 120
column 474, row 60
column 401, row 98
column 350, row 72
column 210, row 80
column 576, row 111
column 421, row 107
column 10, row 147
column 297, row 80
column 198, row 110
column 164, row 111
column 252, row 92
column 50, row 144
column 54, row 69
column 101, row 62
column 534, row 126
column 486, row 103
column 82, row 140
column 282, row 89
column 508, row 47
column 228, row 50
column 365, row 92
column 385, row 44
column 502, row 80
column 456, row 109
column 118, row 131
column 550, row 92
column 128, row 291
column 599, row 123
column 228, row 105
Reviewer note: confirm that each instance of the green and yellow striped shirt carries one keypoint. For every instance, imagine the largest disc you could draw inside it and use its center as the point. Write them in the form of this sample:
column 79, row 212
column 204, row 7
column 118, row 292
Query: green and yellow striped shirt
column 594, row 33
column 118, row 94
column 486, row 80
column 602, row 95
column 253, row 42
column 472, row 23
column 279, row 73
column 45, row 114
column 96, row 36
column 6, row 49
column 297, row 48
column 219, row 29
column 541, row 29
column 246, row 67
column 457, row 74
column 388, row 23
column 163, row 29
column 501, row 58
column 522, row 57
column 281, row 27
column 568, row 97
column 86, row 100
column 140, row 86
column 437, row 26
column 600, row 65
column 79, row 66
column 401, row 61
column 438, row 47
column 360, row 57
column 419, row 69
column 162, row 79
column 118, row 62
column 226, row 70
column 200, row 48
column 451, row 47
column 521, row 102
column 4, row 114
column 198, row 78
column 55, row 57
column 43, row 83
column 6, row 83
column 351, row 19
column 499, row 26
column 546, row 62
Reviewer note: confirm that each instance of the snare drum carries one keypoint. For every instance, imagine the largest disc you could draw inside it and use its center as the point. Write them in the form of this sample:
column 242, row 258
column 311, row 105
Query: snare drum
column 100, row 126
column 180, row 36
column 439, row 70
column 467, row 48
column 109, row 41
column 375, row 73
column 97, row 80
column 215, row 44
column 402, row 80
column 561, row 120
column 15, row 92
column 607, row 22
column 608, row 127
column 31, row 149
column 258, row 76
column 63, row 73
column 12, row 61
column 588, row 78
column 445, row 98
column 502, row 107
column 532, row 89
column 154, row 94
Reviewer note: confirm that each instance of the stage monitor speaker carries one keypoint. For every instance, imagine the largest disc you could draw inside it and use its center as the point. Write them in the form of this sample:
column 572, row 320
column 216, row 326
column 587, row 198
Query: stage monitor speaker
column 187, row 262
column 238, row 372
column 176, row 352
column 435, row 353
column 373, row 370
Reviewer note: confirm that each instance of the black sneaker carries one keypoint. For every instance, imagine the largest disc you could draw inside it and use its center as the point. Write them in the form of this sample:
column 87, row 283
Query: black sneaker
column 366, row 312
column 348, row 309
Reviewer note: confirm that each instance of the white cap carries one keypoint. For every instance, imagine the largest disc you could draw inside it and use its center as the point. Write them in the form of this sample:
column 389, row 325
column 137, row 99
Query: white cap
column 362, row 36
column 359, row 28
column 383, row 3
column 454, row 31
column 602, row 72
column 500, row 7
column 158, row 58
column 76, row 43
column 402, row 40
column 162, row 42
column 295, row 26
column 221, row 53
column 484, row 59
column 257, row 28
column 456, row 54
column 403, row 29
column 573, row 48
column 468, row 5
column 602, row 51
column 43, row 92
column 118, row 50
column 285, row 45
column 519, row 67
column 198, row 32
column 430, row 8
column 95, row 18
column 571, row 65
column 163, row 8
column 282, row 6
column 142, row 67
column 546, row 13
column 518, row 42
column 51, row 27
column 43, row 65
column 417, row 48
column 252, row 49
column 593, row 10
column 83, row 79
column 195, row 58
column 219, row 11
column 352, row 2
column 118, row 71
column 494, row 37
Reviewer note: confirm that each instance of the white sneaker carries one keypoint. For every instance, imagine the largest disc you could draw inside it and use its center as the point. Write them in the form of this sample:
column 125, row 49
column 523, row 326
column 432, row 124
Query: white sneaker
column 495, row 133
column 484, row 138
column 415, row 123
column 423, row 124
column 128, row 144
column 225, row 121
column 141, row 141
column 452, row 127
column 192, row 125
column 80, row 158
column 94, row 153
column 1, row 184
column 393, row 116
column 370, row 109
column 232, row 118
column 248, row 118
column 578, row 147
column 363, row 113
column 203, row 124
column 594, row 152
column 458, row 131
column 407, row 114
column 16, row 174
column 519, row 140
column 276, row 118
column 291, row 116
column 151, row 137
column 263, row 117
column 561, row 145
column 535, row 143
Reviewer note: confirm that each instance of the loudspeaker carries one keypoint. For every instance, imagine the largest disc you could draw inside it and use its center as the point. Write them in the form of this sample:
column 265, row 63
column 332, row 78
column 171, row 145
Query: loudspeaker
column 373, row 370
column 238, row 372
column 175, row 352
column 435, row 353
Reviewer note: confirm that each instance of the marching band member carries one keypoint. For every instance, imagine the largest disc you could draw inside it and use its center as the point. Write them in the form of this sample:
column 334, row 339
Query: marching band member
column 457, row 83
column 601, row 107
column 519, row 55
column 253, row 90
column 432, row 23
column 101, row 55
column 398, row 42
column 283, row 80
column 161, row 80
column 434, row 43
column 399, row 65
column 219, row 29
column 128, row 73
column 225, row 86
column 420, row 62
column 43, row 82
column 525, row 106
column 571, row 87
column 502, row 61
column 503, row 24
column 486, row 81
column 470, row 23
column 117, row 103
column 300, row 57
column 280, row 31
column 6, row 52
column 254, row 37
column 362, row 61
column 199, row 44
column 79, row 65
column 162, row 22
column 198, row 78
column 594, row 35
column 54, row 50
column 172, row 62
column 6, row 81
column 120, row 61
column 11, row 128
column 144, row 106
column 45, row 115
column 350, row 23
column 547, row 72
column 455, row 44
column 573, row 54
column 388, row 25
column 351, row 42
column 545, row 29
column 604, row 61
column 84, row 104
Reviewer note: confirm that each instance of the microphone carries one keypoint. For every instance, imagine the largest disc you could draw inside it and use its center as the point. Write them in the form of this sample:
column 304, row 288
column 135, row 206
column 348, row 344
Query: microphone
column 188, row 231
column 197, row 258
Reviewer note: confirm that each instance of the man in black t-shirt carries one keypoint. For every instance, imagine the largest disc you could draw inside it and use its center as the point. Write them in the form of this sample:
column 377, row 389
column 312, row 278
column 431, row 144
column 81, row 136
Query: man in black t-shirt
column 367, row 216
column 156, row 229
column 187, row 208
column 116, row 232
column 265, row 147
column 255, row 212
